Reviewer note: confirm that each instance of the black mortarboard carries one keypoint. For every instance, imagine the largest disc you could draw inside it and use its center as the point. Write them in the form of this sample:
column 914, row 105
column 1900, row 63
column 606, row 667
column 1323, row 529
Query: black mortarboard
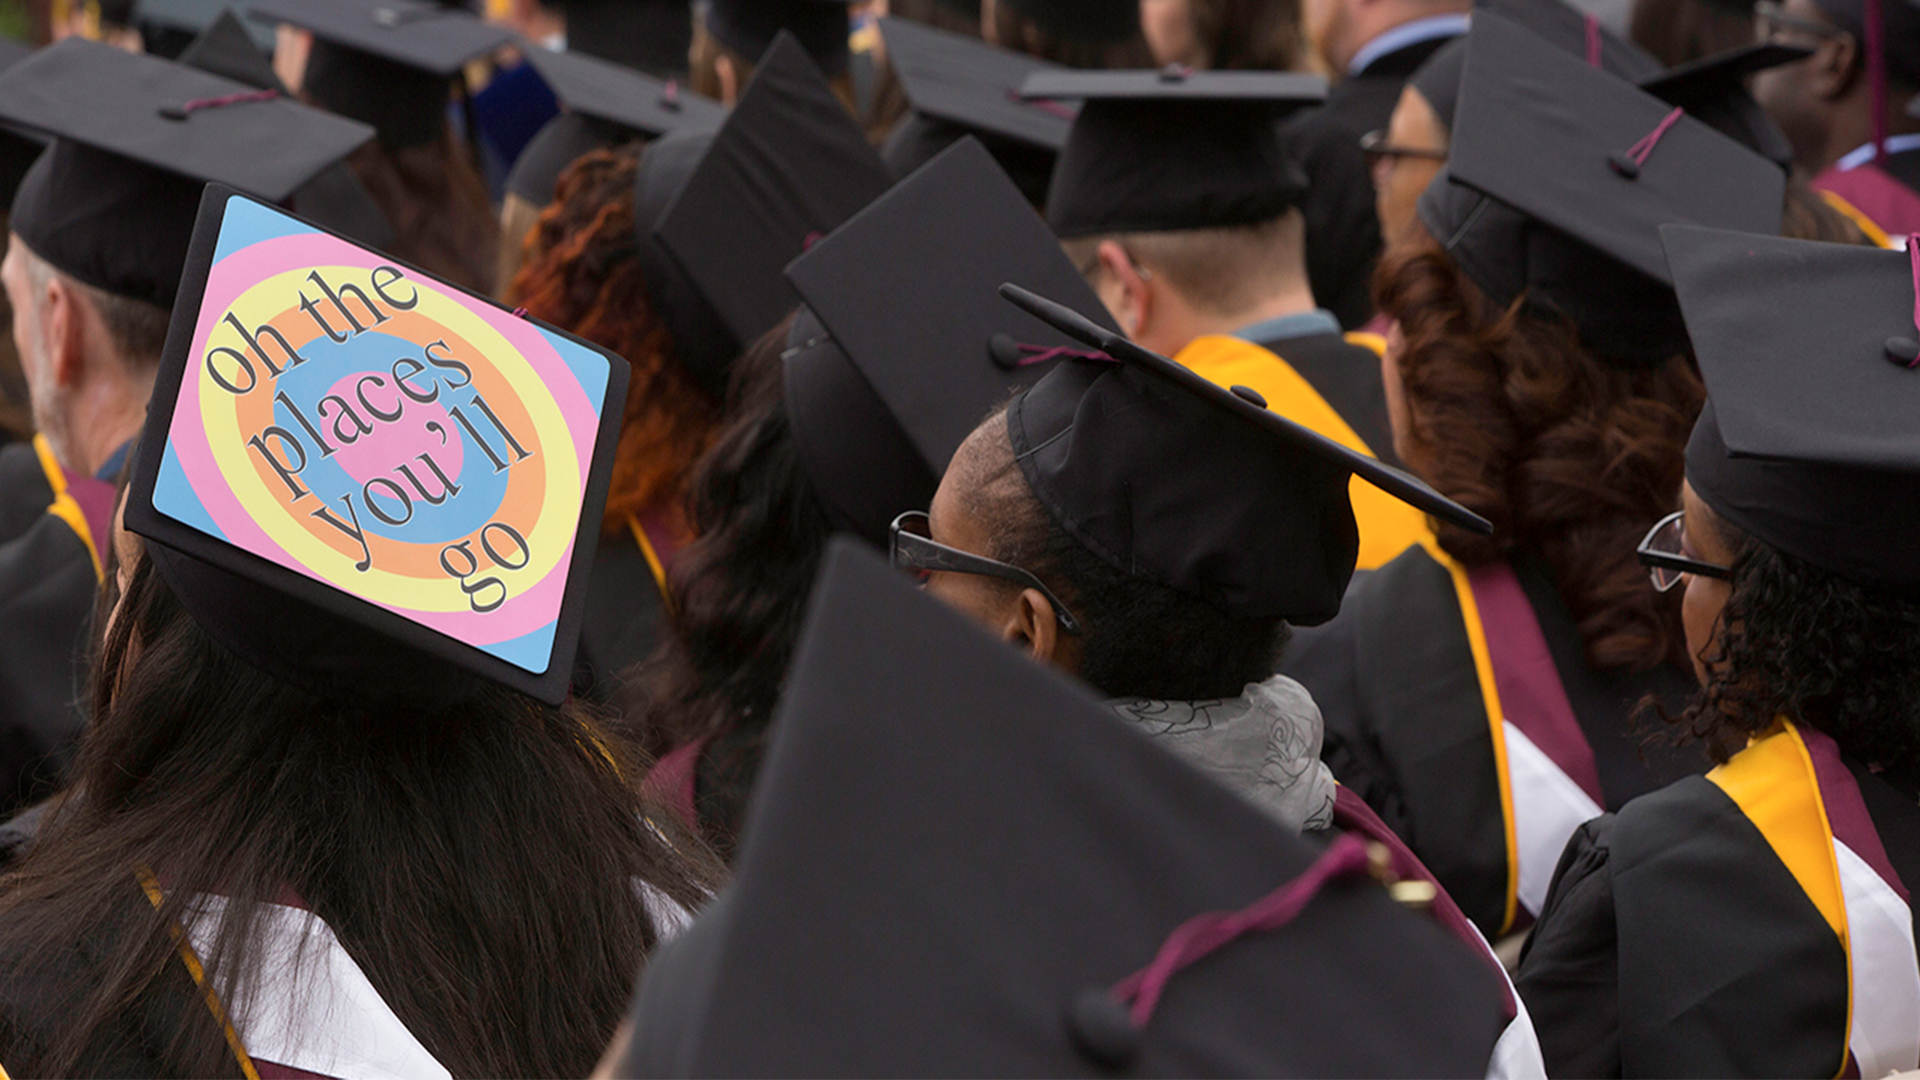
column 190, row 18
column 386, row 62
column 1807, row 441
column 748, row 27
column 112, row 202
column 1173, row 149
column 908, row 289
column 616, row 103
column 1438, row 78
column 960, row 85
column 225, row 48
column 1558, row 178
column 789, row 166
column 18, row 147
column 1172, row 479
column 365, row 480
column 1017, row 852
column 1713, row 90
column 646, row 35
column 1560, row 23
column 1092, row 21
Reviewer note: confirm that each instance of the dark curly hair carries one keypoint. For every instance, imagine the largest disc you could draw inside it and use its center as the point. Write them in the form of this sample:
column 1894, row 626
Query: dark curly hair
column 581, row 273
column 1139, row 638
column 1799, row 642
column 742, row 590
column 1570, row 458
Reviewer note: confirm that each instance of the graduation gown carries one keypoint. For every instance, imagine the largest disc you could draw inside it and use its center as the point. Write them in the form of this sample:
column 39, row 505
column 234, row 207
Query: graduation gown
column 1882, row 198
column 1461, row 707
column 626, row 610
column 1387, row 525
column 1343, row 228
column 1756, row 921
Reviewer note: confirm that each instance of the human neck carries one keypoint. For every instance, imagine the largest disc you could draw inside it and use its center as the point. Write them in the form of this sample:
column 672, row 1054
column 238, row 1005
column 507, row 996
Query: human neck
column 102, row 418
column 1852, row 128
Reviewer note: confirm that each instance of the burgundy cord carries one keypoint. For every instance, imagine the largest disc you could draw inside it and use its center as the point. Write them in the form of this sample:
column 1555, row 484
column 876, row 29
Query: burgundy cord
column 1593, row 41
column 181, row 112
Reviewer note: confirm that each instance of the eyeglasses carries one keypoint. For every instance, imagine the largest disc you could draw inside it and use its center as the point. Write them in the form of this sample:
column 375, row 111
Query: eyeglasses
column 1664, row 555
column 911, row 547
column 1375, row 146
column 1770, row 19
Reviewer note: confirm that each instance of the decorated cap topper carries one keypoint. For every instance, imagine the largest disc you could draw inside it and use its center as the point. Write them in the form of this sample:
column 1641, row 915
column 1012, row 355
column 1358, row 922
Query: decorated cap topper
column 362, row 437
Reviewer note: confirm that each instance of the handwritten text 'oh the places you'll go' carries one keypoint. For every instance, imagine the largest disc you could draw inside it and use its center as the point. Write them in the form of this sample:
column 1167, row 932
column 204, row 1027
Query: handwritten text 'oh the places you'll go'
column 242, row 358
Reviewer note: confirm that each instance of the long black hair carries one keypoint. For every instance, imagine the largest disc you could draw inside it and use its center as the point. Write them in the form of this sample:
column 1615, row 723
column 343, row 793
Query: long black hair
column 740, row 591
column 1798, row 642
column 480, row 862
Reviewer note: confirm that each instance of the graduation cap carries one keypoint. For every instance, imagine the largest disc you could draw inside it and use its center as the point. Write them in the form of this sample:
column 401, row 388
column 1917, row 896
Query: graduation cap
column 1438, row 78
column 749, row 27
column 1807, row 441
column 1558, row 178
column 908, row 288
column 721, row 214
column 1560, row 23
column 618, row 104
column 226, row 48
column 367, row 481
column 386, row 62
column 112, row 202
column 184, row 20
column 645, row 35
column 1713, row 90
column 1173, row 149
column 1019, row 851
column 1170, row 478
column 960, row 85
column 18, row 146
column 1093, row 21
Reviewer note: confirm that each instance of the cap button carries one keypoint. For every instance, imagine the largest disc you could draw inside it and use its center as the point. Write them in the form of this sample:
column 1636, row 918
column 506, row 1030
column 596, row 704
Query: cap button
column 1174, row 73
column 173, row 112
column 1004, row 352
column 1624, row 165
column 1249, row 395
column 1102, row 1029
column 1903, row 351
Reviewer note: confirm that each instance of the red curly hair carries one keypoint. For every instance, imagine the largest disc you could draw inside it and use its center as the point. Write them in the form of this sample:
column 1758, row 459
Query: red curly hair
column 1571, row 459
column 580, row 273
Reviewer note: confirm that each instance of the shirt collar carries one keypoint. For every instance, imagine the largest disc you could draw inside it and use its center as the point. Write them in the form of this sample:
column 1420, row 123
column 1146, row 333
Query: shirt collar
column 1407, row 33
column 1896, row 144
column 1286, row 327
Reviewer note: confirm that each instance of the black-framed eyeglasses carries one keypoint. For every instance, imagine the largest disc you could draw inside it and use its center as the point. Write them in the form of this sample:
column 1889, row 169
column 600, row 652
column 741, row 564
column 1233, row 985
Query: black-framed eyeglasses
column 1664, row 555
column 911, row 547
column 1770, row 18
column 1375, row 146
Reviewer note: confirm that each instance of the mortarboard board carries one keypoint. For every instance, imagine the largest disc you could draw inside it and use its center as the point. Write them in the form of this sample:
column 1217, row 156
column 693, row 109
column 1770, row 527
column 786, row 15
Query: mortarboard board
column 960, row 85
column 645, row 35
column 363, row 479
column 1438, row 78
column 790, row 164
column 18, row 147
column 1558, row 178
column 1019, row 851
column 612, row 104
column 908, row 289
column 1082, row 20
column 1713, row 90
column 1170, row 478
column 187, row 19
column 1559, row 23
column 386, row 62
column 226, row 48
column 1173, row 149
column 112, row 202
column 1807, row 441
column 749, row 27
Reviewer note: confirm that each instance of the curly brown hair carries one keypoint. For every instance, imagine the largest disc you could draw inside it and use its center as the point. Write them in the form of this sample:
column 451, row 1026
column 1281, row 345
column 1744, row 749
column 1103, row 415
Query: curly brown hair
column 580, row 272
column 1570, row 458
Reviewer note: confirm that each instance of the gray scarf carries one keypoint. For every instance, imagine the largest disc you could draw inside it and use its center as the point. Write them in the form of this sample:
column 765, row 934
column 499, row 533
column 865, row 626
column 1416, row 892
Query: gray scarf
column 1264, row 744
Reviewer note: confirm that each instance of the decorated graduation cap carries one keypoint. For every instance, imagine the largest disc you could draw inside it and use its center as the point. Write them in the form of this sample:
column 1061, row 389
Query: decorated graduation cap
column 1091, row 21
column 1558, row 179
column 112, row 201
column 1036, row 853
column 1170, row 478
column 960, row 85
column 1173, row 149
column 749, row 27
column 645, row 35
column 387, row 63
column 1713, row 90
column 922, row 345
column 607, row 104
column 367, row 481
column 1809, row 354
column 720, row 214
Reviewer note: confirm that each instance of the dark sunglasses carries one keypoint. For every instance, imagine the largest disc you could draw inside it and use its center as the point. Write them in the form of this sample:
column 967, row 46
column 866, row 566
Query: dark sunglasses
column 1663, row 554
column 1375, row 146
column 911, row 547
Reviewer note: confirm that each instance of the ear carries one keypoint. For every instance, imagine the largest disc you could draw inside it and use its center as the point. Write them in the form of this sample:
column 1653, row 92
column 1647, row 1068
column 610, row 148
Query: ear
column 62, row 330
column 1130, row 294
column 1836, row 67
column 1031, row 625
column 729, row 77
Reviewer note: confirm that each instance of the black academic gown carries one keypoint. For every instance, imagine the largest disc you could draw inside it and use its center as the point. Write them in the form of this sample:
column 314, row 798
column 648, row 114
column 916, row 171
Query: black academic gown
column 626, row 617
column 1689, row 935
column 1343, row 228
column 24, row 491
column 1411, row 724
column 1347, row 375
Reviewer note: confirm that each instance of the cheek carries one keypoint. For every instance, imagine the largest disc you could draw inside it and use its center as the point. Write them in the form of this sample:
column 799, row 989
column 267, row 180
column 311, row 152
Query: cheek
column 969, row 594
column 1700, row 607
